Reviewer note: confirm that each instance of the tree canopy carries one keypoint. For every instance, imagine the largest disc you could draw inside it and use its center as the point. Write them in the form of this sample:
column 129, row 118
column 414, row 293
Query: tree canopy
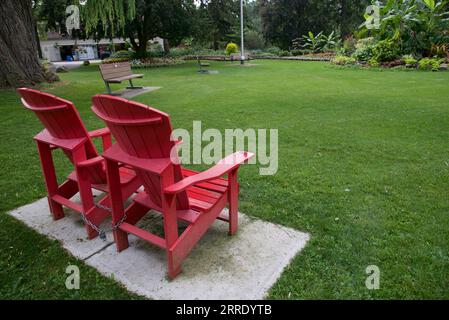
column 169, row 19
column 285, row 20
column 111, row 14
column 209, row 22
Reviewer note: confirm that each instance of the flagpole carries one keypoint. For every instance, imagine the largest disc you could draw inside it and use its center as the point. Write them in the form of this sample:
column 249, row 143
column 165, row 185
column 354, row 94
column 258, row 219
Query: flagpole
column 242, row 49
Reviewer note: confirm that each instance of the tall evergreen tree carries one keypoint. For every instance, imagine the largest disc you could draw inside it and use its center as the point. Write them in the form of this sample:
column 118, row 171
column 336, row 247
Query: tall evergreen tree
column 217, row 21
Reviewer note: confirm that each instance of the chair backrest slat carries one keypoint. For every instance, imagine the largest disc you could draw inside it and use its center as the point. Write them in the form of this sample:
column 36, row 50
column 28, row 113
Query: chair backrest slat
column 141, row 132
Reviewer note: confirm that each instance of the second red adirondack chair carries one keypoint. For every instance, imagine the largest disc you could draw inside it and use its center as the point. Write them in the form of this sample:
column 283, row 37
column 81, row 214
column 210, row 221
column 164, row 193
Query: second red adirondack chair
column 143, row 142
column 64, row 130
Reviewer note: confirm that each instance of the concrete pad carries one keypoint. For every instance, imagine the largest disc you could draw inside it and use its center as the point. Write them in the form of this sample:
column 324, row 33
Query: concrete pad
column 244, row 266
column 209, row 72
column 243, row 65
column 131, row 93
column 70, row 231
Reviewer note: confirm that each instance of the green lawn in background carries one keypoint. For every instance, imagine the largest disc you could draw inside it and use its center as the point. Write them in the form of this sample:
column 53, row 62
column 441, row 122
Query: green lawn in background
column 363, row 168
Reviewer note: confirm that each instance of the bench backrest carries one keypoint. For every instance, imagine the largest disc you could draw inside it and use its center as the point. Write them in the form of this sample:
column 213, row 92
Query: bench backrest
column 115, row 70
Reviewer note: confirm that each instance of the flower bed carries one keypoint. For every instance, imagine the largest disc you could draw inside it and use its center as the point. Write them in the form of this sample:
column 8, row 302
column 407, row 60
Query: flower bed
column 148, row 62
column 155, row 63
column 297, row 58
column 307, row 57
column 406, row 62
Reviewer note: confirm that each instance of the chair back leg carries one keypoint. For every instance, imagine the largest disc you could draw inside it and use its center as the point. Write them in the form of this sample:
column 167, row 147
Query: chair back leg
column 233, row 199
column 51, row 183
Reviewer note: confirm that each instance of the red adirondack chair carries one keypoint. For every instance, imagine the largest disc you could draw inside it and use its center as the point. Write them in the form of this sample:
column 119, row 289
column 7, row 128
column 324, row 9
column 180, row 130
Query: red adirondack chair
column 65, row 130
column 143, row 142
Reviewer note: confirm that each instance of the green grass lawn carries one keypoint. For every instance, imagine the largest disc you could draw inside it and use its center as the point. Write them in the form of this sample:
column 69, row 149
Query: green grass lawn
column 363, row 167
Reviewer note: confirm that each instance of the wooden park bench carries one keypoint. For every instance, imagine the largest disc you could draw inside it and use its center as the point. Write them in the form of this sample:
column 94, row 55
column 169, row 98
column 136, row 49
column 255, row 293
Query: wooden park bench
column 117, row 73
column 202, row 65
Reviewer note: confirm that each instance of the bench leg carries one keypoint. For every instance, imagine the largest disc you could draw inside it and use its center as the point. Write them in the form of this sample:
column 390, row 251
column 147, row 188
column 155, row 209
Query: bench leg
column 202, row 70
column 108, row 87
column 131, row 85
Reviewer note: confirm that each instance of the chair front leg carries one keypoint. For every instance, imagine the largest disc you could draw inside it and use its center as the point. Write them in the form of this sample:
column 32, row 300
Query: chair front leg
column 170, row 223
column 171, row 233
column 85, row 188
column 51, row 183
column 118, row 211
column 233, row 199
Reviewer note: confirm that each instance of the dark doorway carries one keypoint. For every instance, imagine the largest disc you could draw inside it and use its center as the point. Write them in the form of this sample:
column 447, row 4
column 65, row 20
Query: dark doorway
column 66, row 53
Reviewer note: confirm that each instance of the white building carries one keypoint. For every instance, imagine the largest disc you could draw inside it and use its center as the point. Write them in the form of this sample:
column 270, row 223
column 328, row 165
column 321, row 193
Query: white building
column 69, row 49
column 58, row 48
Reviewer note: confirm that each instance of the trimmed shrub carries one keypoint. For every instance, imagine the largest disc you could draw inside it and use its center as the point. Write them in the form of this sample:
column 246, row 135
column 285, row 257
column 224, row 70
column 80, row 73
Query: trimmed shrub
column 297, row 52
column 284, row 53
column 386, row 50
column 231, row 48
column 343, row 60
column 122, row 54
column 410, row 61
column 364, row 49
column 274, row 51
column 430, row 64
column 373, row 62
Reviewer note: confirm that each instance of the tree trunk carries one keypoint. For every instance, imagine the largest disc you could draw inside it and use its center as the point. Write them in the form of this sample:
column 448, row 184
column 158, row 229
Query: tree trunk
column 216, row 42
column 133, row 42
column 19, row 63
column 142, row 48
column 166, row 46
column 38, row 42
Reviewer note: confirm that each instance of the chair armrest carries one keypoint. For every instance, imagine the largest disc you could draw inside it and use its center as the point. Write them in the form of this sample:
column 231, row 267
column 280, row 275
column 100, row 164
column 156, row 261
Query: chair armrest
column 99, row 133
column 90, row 162
column 54, row 143
column 225, row 165
column 105, row 135
column 157, row 166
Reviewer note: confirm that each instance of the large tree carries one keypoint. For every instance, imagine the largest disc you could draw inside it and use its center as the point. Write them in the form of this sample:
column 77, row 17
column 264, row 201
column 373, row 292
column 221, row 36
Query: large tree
column 52, row 14
column 217, row 21
column 285, row 20
column 107, row 17
column 19, row 62
column 176, row 21
column 169, row 19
